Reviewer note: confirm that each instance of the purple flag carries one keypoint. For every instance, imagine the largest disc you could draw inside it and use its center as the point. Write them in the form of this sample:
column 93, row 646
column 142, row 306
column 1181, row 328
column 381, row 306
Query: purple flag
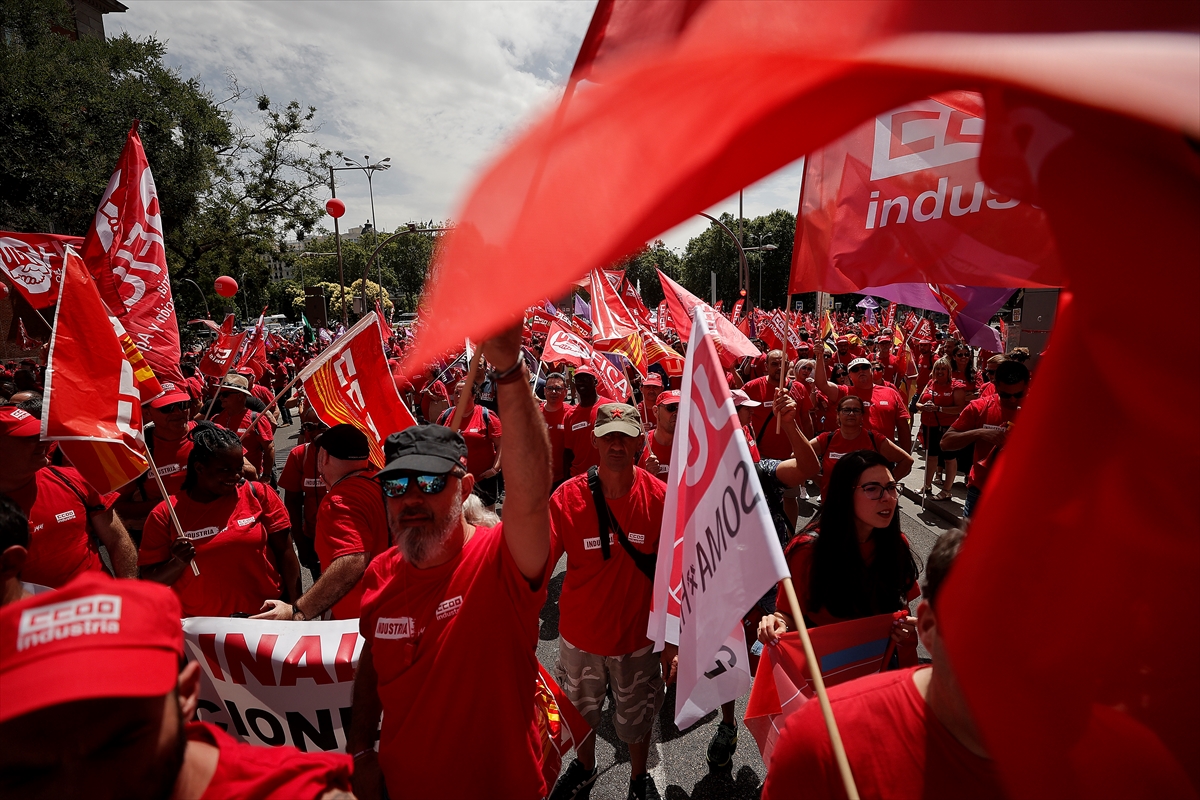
column 582, row 309
column 978, row 304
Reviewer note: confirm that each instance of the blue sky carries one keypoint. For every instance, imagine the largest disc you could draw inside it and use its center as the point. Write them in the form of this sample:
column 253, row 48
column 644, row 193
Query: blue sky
column 437, row 87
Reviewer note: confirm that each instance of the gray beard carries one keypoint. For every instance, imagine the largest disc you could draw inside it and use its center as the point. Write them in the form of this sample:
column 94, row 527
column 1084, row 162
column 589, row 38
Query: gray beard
column 417, row 544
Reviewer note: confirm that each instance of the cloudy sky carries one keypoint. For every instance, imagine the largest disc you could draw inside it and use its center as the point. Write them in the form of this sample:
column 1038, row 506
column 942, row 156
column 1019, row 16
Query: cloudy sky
column 437, row 87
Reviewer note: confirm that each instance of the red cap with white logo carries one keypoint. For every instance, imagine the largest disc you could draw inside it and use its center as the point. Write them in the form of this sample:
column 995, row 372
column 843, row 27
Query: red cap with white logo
column 95, row 637
column 18, row 422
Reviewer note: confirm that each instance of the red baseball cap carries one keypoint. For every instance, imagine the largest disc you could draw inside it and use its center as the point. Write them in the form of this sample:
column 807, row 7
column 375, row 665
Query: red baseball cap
column 585, row 369
column 171, row 394
column 18, row 422
column 95, row 637
column 653, row 379
column 671, row 396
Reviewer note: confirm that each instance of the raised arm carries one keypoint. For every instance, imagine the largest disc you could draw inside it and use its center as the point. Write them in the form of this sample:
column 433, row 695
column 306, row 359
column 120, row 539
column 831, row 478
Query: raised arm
column 804, row 463
column 524, row 459
column 821, row 379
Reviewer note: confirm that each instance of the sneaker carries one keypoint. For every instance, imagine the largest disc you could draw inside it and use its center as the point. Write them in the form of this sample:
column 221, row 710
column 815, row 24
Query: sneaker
column 642, row 788
column 575, row 783
column 723, row 745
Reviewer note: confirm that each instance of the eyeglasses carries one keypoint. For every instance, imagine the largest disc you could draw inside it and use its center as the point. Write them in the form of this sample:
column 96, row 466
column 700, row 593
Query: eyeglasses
column 874, row 491
column 556, row 388
column 850, row 410
column 670, row 408
column 876, row 369
column 428, row 484
column 1011, row 395
column 859, row 368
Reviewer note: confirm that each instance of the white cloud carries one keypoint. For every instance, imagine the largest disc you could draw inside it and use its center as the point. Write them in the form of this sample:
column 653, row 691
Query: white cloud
column 437, row 87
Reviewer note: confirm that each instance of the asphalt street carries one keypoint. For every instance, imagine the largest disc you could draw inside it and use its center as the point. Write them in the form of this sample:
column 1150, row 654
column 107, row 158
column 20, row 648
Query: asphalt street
column 677, row 758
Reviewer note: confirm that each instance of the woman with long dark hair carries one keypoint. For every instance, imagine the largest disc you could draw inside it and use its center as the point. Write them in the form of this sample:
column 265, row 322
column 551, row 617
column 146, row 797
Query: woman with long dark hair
column 941, row 402
column 237, row 532
column 852, row 560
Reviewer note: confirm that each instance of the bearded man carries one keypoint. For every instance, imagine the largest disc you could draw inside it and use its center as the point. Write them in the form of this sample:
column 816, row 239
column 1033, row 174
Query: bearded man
column 450, row 614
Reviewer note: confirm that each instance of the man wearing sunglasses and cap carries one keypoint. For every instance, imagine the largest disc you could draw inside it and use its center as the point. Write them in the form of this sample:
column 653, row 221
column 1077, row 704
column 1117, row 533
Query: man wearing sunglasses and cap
column 984, row 424
column 656, row 458
column 450, row 614
column 95, row 705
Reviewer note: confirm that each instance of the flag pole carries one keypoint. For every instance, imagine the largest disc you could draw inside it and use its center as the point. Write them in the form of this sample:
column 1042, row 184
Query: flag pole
column 814, row 669
column 469, row 386
column 783, row 371
column 167, row 498
column 274, row 400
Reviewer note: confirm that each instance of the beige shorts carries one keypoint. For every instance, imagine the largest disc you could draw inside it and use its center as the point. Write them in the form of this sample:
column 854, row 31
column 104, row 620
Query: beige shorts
column 636, row 680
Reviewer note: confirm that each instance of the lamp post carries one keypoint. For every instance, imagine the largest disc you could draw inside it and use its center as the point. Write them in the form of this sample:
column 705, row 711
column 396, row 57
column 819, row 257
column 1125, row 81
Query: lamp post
column 202, row 297
column 245, row 296
column 768, row 248
column 368, row 169
column 412, row 228
column 743, row 267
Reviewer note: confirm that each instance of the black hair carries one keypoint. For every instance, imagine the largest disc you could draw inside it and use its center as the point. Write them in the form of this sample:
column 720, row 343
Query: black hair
column 1011, row 372
column 841, row 581
column 14, row 525
column 969, row 370
column 208, row 441
column 941, row 559
column 558, row 375
column 25, row 380
column 838, row 373
column 188, row 369
column 33, row 405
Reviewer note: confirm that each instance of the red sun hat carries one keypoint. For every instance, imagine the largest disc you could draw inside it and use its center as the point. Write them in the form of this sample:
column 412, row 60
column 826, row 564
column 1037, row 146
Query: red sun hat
column 18, row 422
column 653, row 379
column 95, row 637
column 171, row 394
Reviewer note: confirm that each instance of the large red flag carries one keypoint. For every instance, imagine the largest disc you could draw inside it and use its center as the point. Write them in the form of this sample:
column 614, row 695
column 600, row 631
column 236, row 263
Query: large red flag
column 34, row 262
column 343, row 386
column 610, row 318
column 564, row 345
column 125, row 252
column 254, row 356
column 92, row 406
column 731, row 343
column 218, row 359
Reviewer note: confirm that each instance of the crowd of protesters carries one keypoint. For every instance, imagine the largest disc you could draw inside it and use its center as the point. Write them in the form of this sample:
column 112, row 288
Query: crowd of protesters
column 574, row 475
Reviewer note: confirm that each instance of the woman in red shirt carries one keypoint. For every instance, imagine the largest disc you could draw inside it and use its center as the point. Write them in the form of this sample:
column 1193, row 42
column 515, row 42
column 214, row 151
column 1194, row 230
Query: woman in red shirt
column 941, row 401
column 962, row 363
column 237, row 533
column 850, row 435
column 852, row 561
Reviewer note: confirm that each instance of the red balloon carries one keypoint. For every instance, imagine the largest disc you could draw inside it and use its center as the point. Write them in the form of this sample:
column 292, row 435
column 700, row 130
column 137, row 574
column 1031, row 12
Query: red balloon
column 225, row 286
column 335, row 207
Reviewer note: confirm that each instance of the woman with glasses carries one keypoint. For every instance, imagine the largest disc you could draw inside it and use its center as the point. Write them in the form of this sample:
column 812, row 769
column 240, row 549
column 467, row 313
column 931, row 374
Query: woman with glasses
column 941, row 401
column 852, row 560
column 236, row 549
column 850, row 435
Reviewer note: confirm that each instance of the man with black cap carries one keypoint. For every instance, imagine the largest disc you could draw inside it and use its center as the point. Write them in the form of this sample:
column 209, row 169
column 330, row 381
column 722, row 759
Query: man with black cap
column 450, row 615
column 351, row 529
column 607, row 521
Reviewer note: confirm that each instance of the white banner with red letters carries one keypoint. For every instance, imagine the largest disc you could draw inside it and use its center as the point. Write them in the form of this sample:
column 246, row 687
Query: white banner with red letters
column 274, row 683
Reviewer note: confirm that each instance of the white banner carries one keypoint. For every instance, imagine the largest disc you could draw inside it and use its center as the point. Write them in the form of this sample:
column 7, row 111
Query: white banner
column 273, row 683
column 725, row 552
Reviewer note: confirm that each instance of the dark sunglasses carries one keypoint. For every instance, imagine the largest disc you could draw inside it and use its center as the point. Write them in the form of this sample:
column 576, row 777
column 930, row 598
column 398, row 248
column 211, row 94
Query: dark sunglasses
column 1011, row 395
column 859, row 368
column 876, row 369
column 670, row 408
column 428, row 484
column 173, row 407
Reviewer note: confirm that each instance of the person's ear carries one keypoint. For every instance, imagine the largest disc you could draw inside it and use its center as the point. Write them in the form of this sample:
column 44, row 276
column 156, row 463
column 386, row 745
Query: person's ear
column 468, row 483
column 927, row 629
column 12, row 561
column 189, row 690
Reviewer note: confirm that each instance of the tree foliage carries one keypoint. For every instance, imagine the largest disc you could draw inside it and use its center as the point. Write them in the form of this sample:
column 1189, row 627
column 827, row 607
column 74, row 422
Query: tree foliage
column 715, row 251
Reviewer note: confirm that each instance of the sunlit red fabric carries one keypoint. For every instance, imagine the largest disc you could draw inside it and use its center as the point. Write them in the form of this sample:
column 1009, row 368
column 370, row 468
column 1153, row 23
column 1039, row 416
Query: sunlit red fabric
column 621, row 29
column 611, row 320
column 730, row 342
column 126, row 254
column 33, row 263
column 218, row 359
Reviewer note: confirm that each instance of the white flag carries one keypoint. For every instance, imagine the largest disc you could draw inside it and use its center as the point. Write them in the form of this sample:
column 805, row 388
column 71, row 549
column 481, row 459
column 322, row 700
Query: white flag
column 725, row 552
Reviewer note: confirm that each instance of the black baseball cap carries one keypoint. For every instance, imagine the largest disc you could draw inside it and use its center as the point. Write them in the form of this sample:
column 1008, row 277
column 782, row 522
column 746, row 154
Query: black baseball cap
column 345, row 442
column 424, row 448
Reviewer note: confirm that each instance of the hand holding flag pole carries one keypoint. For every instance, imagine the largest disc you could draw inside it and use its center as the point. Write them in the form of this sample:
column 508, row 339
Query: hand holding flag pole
column 166, row 497
column 468, row 386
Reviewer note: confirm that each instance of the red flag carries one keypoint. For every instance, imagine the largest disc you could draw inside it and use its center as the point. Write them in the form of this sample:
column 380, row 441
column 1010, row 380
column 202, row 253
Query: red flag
column 610, row 318
column 385, row 330
column 218, row 359
column 537, row 320
column 624, row 29
column 564, row 345
column 255, row 355
column 92, row 405
column 611, row 381
column 664, row 318
column 633, row 302
column 125, row 252
column 736, row 314
column 343, row 386
column 659, row 352
column 731, row 343
column 889, row 317
column 34, row 263
column 24, row 340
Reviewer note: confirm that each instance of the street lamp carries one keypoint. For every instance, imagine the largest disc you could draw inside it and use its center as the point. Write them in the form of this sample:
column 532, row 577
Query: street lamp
column 768, row 248
column 369, row 169
column 743, row 268
column 245, row 296
column 202, row 297
column 412, row 228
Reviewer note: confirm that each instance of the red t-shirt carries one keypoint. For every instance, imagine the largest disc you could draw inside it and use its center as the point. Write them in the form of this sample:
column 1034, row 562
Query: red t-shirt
column 246, row 772
column 59, row 546
column 605, row 605
column 940, row 394
column 985, row 412
column 988, row 390
column 448, row 644
column 237, row 567
column 435, row 390
column 351, row 520
column 265, row 394
column 831, row 446
column 885, row 407
column 661, row 451
column 480, row 431
column 770, row 443
column 557, row 429
column 300, row 476
column 577, row 437
column 171, row 457
column 897, row 748
column 751, row 443
column 254, row 443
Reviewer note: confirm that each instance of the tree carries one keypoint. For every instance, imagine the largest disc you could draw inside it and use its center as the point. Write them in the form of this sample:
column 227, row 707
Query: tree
column 714, row 251
column 643, row 267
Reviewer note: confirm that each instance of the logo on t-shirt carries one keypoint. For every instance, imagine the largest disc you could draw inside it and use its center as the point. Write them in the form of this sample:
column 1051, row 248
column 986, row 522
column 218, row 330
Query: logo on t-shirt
column 81, row 616
column 448, row 608
column 834, row 456
column 883, row 402
column 203, row 533
column 312, row 483
column 395, row 628
column 594, row 543
column 244, row 521
column 637, row 538
column 168, row 469
column 65, row 516
column 579, row 426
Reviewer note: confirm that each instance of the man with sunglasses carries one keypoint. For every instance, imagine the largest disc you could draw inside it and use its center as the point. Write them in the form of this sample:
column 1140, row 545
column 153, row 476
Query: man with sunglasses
column 656, row 458
column 303, row 490
column 554, row 411
column 450, row 614
column 579, row 449
column 989, row 386
column 984, row 425
column 887, row 412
